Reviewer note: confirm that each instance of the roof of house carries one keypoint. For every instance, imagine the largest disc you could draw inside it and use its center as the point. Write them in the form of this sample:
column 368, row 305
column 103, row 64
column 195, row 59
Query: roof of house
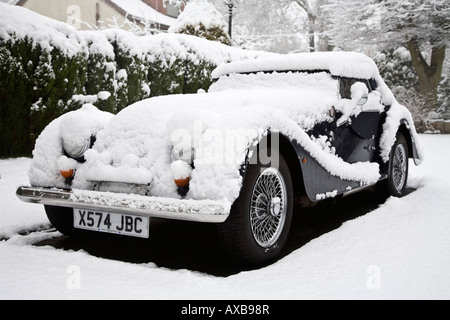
column 139, row 10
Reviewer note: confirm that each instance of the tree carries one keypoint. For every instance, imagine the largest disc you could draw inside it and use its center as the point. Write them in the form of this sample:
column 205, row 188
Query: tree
column 423, row 26
column 200, row 18
column 311, row 13
column 277, row 26
column 397, row 71
column 313, row 19
column 444, row 90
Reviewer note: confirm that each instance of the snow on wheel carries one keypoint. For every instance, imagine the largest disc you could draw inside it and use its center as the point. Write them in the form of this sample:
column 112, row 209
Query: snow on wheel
column 258, row 226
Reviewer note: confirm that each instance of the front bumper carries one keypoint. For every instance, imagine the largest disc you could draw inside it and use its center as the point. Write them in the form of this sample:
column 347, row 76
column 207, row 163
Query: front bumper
column 157, row 207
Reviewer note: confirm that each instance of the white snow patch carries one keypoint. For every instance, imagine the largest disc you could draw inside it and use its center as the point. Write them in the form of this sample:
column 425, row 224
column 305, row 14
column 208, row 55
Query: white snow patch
column 346, row 64
column 180, row 169
column 398, row 251
column 75, row 128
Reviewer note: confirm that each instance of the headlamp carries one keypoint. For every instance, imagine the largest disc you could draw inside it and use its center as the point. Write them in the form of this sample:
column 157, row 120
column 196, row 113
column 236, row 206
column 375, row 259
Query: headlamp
column 76, row 150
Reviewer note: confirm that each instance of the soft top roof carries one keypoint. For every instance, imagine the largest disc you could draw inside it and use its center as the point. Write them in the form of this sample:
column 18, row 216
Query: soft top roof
column 339, row 63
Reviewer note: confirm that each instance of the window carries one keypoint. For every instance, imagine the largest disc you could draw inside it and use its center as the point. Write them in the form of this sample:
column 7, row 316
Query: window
column 345, row 85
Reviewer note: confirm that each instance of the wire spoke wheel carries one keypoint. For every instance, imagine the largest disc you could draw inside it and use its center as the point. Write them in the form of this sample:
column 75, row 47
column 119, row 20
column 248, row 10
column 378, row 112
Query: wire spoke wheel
column 399, row 167
column 268, row 207
column 258, row 225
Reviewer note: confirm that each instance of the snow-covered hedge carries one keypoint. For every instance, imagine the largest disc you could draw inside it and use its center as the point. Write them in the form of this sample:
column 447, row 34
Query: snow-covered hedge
column 48, row 68
column 201, row 18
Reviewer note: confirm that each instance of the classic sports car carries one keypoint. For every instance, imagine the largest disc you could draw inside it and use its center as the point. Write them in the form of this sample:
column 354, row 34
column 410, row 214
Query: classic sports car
column 306, row 126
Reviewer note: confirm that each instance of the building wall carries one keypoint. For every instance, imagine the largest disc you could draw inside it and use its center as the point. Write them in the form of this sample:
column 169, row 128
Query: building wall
column 84, row 13
column 164, row 9
column 75, row 12
column 157, row 5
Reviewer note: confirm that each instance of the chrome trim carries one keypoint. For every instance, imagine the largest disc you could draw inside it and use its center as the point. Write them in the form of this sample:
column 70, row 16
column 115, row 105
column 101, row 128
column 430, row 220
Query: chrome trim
column 209, row 211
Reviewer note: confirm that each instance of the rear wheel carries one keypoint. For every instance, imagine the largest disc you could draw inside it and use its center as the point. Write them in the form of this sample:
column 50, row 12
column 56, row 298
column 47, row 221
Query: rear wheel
column 260, row 219
column 395, row 184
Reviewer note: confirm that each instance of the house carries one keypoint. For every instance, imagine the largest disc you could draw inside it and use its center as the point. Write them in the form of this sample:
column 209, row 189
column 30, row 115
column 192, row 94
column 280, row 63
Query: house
column 85, row 14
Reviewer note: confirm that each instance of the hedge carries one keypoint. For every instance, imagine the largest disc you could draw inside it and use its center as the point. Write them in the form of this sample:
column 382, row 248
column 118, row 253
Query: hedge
column 45, row 74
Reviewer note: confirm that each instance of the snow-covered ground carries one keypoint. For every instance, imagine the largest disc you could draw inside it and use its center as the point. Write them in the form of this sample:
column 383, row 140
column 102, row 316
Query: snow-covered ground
column 398, row 251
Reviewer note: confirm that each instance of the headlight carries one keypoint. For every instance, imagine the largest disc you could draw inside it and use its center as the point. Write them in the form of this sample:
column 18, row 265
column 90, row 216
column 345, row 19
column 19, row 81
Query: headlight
column 185, row 154
column 76, row 150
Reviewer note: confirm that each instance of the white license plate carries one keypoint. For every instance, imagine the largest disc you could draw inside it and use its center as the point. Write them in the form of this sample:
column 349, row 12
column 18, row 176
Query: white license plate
column 125, row 224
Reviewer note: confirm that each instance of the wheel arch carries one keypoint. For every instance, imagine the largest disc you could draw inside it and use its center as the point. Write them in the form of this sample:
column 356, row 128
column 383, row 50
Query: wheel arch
column 410, row 135
column 288, row 151
column 403, row 129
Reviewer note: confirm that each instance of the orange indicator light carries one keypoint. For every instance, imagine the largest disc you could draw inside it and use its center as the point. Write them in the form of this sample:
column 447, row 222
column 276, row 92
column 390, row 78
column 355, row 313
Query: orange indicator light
column 67, row 173
column 182, row 182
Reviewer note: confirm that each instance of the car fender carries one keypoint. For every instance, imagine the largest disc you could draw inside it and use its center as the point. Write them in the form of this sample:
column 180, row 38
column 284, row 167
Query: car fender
column 310, row 179
column 410, row 135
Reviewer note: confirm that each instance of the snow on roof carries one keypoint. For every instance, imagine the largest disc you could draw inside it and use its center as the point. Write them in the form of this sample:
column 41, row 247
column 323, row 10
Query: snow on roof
column 346, row 64
column 140, row 10
column 18, row 23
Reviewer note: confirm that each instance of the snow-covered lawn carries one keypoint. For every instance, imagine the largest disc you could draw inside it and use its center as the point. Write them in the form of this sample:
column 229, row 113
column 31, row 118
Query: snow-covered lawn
column 401, row 250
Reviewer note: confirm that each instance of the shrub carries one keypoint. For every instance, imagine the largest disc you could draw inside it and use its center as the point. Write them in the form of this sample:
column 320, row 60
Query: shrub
column 14, row 99
column 213, row 33
column 201, row 18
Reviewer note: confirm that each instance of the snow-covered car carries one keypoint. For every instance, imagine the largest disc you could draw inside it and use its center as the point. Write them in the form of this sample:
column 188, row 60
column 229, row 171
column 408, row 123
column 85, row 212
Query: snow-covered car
column 270, row 131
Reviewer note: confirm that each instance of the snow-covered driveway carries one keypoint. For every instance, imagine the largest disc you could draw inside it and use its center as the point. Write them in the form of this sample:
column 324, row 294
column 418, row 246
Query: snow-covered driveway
column 400, row 250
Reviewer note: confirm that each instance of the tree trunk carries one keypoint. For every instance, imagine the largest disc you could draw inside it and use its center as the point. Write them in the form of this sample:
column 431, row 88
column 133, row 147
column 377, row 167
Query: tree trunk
column 312, row 31
column 429, row 74
column 312, row 15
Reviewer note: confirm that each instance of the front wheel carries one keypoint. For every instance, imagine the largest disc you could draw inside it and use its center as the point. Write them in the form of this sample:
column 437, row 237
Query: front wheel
column 260, row 219
column 61, row 219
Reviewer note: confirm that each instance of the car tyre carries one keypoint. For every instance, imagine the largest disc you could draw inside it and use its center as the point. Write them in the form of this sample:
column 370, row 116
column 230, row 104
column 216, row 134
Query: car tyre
column 258, row 226
column 61, row 219
column 395, row 184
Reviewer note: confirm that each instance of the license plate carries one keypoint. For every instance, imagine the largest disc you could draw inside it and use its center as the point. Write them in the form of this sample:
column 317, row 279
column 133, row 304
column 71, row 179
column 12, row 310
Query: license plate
column 124, row 224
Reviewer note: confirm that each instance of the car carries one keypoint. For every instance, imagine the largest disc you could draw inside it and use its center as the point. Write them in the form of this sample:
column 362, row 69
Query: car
column 270, row 131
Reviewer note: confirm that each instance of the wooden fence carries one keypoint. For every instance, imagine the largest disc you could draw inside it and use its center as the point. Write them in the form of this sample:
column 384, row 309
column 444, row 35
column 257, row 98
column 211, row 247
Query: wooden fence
column 440, row 125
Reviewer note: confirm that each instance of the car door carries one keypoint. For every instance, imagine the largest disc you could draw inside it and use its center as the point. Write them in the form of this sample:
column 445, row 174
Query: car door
column 357, row 132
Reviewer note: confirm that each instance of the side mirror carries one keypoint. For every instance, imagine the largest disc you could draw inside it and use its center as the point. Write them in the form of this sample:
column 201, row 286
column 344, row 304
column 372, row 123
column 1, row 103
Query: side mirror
column 360, row 93
column 363, row 100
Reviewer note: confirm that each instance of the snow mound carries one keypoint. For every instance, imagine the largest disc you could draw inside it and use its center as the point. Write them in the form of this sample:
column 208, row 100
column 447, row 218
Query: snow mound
column 48, row 155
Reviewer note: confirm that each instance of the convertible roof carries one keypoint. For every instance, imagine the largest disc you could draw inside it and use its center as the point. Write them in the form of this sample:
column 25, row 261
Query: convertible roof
column 339, row 63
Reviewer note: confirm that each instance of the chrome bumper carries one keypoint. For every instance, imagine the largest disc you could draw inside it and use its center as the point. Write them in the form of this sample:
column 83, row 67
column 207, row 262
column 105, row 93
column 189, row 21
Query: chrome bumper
column 156, row 207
